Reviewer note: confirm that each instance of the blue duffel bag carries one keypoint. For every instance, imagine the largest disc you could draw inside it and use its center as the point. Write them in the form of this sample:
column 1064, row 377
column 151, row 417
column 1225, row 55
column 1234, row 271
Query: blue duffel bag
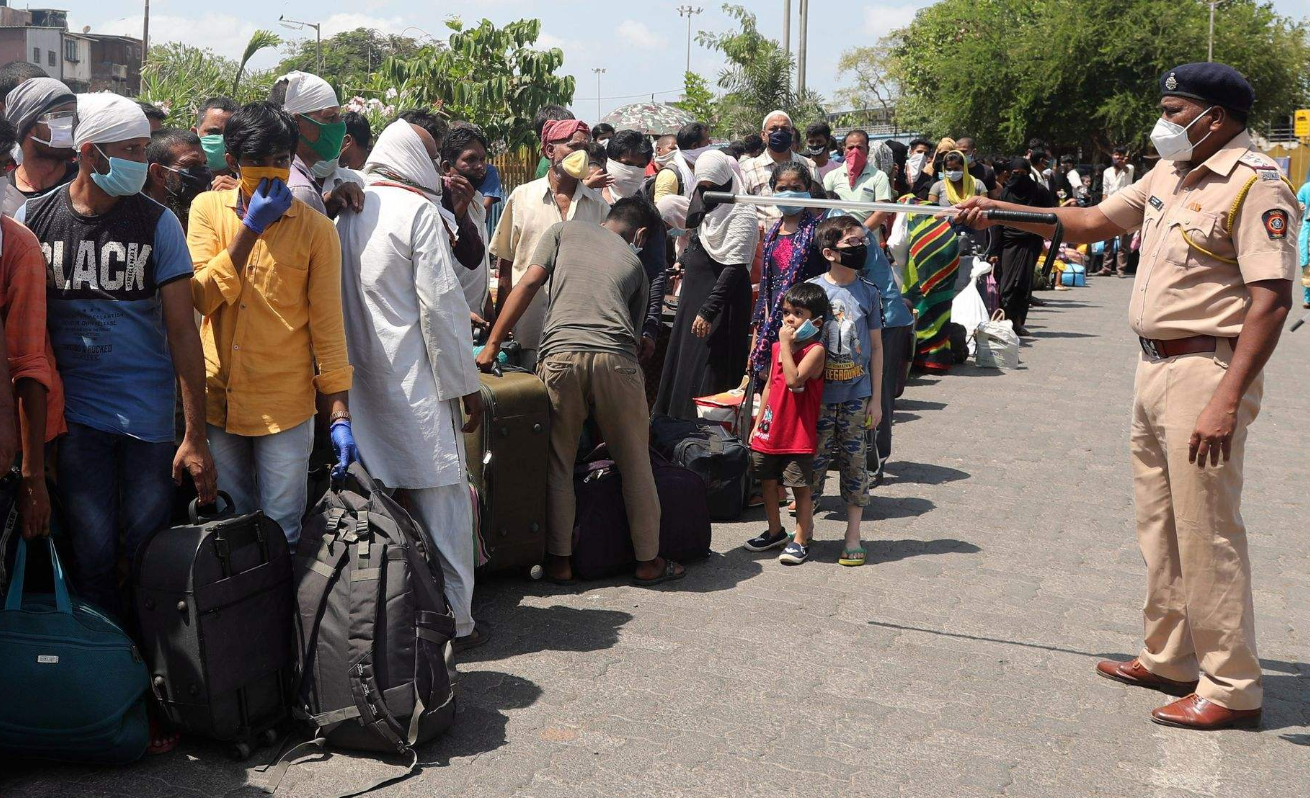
column 72, row 683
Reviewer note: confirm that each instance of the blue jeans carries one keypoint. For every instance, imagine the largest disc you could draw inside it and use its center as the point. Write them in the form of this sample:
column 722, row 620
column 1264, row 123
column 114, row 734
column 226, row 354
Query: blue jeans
column 266, row 472
column 109, row 482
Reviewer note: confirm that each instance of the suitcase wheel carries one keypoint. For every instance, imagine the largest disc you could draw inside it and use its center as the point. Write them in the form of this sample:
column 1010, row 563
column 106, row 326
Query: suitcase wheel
column 536, row 572
column 240, row 751
column 269, row 737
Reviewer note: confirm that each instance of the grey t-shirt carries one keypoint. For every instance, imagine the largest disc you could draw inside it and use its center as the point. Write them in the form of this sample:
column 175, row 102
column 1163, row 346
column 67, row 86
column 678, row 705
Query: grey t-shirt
column 597, row 290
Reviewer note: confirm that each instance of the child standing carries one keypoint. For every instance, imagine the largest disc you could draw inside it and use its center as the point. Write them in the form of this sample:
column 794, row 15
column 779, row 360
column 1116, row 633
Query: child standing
column 785, row 434
column 852, row 379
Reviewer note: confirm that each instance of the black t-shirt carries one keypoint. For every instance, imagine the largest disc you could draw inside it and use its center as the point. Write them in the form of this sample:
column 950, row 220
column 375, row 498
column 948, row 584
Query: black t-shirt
column 70, row 172
column 985, row 173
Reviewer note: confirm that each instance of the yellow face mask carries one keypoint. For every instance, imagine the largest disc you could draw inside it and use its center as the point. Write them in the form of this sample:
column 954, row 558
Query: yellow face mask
column 575, row 165
column 251, row 175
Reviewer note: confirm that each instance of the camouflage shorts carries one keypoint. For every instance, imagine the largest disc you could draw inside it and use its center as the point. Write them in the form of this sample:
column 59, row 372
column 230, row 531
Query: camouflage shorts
column 842, row 438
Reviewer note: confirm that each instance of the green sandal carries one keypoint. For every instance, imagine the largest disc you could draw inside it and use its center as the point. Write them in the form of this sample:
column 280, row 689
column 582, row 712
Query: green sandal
column 852, row 558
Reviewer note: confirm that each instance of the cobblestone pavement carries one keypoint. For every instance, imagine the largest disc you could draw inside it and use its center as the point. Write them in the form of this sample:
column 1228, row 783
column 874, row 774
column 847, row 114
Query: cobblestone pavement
column 959, row 662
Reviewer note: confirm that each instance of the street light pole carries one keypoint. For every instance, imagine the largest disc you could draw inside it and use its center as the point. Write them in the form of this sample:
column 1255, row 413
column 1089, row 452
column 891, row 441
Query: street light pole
column 688, row 12
column 1209, row 55
column 801, row 47
column 599, row 71
column 294, row 24
column 786, row 26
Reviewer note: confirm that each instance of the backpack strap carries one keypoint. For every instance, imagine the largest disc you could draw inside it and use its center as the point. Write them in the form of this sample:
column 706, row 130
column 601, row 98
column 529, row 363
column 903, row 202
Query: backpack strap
column 365, row 598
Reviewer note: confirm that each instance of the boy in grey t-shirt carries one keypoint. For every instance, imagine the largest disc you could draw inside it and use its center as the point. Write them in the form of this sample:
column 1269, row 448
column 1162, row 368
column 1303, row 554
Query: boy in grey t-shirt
column 588, row 359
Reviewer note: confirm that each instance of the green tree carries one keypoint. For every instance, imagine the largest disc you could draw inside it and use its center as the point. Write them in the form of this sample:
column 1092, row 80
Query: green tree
column 1081, row 73
column 179, row 78
column 872, row 85
column 698, row 100
column 349, row 57
column 493, row 77
column 758, row 77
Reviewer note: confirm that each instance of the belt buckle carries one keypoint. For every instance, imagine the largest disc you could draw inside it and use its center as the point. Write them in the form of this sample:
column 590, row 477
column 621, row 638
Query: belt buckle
column 1149, row 347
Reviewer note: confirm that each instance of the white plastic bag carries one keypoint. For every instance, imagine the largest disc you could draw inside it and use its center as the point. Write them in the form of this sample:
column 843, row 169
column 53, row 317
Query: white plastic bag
column 898, row 242
column 998, row 345
column 968, row 309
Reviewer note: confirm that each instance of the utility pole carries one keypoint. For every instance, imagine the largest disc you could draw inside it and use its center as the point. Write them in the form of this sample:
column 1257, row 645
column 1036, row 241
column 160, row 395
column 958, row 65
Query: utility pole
column 318, row 35
column 1209, row 53
column 145, row 36
column 688, row 12
column 802, row 46
column 786, row 26
column 599, row 71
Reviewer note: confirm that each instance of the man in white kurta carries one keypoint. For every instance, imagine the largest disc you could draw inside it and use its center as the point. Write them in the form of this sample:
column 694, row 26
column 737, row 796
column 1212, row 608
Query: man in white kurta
column 408, row 324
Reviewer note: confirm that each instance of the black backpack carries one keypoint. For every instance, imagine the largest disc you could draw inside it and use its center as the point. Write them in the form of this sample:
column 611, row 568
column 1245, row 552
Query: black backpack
column 374, row 628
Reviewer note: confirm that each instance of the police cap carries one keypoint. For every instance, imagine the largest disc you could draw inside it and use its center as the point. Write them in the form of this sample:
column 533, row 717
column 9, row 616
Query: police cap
column 1217, row 84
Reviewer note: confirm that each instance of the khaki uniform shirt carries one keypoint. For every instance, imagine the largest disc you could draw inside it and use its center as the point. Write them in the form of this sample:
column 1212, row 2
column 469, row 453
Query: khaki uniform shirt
column 1196, row 255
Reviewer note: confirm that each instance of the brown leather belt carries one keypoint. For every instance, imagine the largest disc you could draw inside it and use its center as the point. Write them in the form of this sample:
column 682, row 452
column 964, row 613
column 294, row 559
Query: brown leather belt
column 1158, row 350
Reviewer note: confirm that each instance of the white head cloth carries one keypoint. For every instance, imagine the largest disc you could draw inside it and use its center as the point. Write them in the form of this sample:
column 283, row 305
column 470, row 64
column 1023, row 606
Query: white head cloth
column 104, row 117
column 729, row 233
column 307, row 93
column 399, row 154
column 772, row 114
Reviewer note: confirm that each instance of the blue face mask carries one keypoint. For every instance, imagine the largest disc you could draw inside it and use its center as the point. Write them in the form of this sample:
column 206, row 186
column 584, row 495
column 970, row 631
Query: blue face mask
column 806, row 331
column 791, row 210
column 124, row 178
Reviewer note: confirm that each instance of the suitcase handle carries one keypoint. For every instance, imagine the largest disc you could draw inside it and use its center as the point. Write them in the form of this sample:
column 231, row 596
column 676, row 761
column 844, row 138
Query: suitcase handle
column 193, row 511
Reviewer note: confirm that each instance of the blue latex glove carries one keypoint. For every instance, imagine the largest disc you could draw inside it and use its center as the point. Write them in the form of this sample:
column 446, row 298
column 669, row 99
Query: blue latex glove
column 267, row 205
column 343, row 446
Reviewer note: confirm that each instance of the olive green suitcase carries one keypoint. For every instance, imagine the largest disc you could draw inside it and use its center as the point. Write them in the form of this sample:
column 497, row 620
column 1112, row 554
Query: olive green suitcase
column 506, row 457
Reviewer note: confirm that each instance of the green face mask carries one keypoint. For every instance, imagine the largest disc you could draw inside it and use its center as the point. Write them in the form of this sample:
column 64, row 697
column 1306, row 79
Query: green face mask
column 214, row 149
column 330, row 136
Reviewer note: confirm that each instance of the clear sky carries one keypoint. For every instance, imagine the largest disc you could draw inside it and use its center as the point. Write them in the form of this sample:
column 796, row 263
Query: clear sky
column 641, row 45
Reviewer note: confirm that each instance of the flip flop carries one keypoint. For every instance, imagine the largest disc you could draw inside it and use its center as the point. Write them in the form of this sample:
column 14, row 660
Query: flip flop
column 853, row 558
column 161, row 741
column 671, row 574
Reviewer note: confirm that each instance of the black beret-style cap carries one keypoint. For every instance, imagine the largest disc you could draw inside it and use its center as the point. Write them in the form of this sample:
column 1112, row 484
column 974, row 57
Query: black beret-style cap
column 1217, row 84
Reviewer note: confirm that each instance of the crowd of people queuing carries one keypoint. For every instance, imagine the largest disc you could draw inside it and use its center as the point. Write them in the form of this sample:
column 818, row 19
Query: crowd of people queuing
column 291, row 278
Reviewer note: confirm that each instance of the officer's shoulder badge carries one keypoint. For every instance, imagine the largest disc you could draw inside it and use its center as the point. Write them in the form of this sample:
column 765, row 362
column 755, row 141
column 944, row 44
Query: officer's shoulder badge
column 1259, row 162
column 1275, row 221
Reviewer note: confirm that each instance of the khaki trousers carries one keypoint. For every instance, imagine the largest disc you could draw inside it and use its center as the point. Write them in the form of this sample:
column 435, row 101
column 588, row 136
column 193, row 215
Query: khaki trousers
column 611, row 386
column 1199, row 617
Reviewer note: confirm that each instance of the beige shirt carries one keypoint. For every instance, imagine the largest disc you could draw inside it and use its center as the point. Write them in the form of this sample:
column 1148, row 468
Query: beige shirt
column 529, row 212
column 1199, row 288
column 755, row 173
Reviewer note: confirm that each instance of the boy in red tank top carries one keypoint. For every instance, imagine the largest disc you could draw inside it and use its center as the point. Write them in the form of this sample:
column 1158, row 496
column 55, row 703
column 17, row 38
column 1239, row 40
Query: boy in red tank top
column 785, row 434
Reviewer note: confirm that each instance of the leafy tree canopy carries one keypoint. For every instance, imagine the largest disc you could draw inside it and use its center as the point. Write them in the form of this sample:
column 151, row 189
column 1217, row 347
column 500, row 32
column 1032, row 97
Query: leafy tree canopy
column 1081, row 73
column 349, row 57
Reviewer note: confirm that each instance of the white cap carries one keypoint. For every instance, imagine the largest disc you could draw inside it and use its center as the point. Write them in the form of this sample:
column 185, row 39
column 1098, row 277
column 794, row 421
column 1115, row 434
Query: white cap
column 772, row 114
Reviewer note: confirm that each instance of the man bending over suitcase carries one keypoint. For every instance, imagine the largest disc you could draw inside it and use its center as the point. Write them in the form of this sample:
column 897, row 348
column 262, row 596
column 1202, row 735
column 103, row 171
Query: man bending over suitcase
column 588, row 360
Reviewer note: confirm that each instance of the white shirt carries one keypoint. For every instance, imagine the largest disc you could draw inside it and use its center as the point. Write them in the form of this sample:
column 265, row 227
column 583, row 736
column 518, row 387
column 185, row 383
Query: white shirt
column 476, row 283
column 1114, row 180
column 407, row 324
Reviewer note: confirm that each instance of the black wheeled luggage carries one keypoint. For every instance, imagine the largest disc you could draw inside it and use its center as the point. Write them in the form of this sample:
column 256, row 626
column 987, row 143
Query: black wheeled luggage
column 215, row 605
column 506, row 459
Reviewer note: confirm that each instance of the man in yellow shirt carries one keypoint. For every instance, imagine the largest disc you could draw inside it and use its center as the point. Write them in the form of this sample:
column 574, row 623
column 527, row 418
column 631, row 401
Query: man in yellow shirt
column 268, row 284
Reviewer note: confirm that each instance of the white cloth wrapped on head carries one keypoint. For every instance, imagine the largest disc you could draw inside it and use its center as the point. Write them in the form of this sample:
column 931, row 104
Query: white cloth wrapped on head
column 104, row 117
column 307, row 93
column 399, row 153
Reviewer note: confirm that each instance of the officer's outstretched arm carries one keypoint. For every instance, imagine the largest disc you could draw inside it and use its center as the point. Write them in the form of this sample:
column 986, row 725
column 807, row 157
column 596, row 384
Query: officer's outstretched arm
column 1081, row 225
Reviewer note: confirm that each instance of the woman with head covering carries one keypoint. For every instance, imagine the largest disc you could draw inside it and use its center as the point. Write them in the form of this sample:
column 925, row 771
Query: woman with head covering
column 708, row 350
column 789, row 258
column 1017, row 251
column 407, row 325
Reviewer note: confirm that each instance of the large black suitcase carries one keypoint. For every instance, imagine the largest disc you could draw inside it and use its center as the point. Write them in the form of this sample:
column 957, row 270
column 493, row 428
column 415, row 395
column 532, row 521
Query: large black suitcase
column 215, row 606
column 713, row 453
column 506, row 459
column 602, row 539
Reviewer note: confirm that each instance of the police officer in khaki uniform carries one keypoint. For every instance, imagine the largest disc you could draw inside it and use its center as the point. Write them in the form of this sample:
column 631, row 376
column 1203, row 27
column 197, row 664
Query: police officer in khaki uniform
column 1213, row 288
